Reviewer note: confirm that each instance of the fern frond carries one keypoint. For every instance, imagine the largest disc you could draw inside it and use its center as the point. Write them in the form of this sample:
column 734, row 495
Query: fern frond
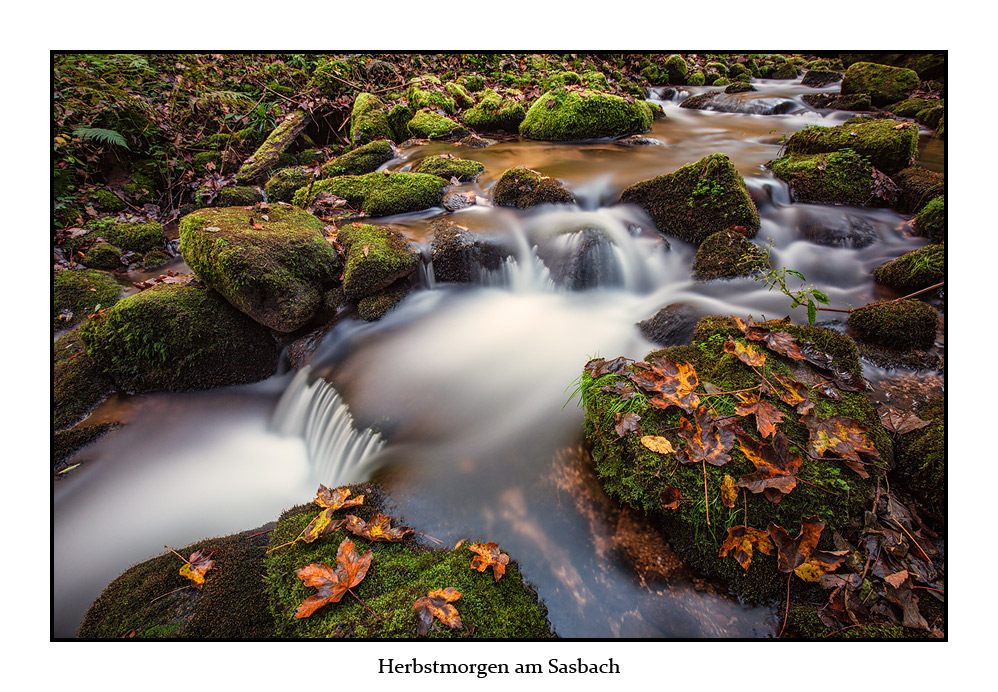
column 101, row 135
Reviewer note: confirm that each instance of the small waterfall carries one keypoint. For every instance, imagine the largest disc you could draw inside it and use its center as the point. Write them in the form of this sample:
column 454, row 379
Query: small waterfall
column 338, row 453
column 426, row 276
column 529, row 276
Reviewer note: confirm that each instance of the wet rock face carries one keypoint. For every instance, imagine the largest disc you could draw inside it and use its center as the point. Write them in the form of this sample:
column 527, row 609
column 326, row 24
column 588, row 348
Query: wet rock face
column 459, row 256
column 582, row 259
column 846, row 231
column 523, row 188
column 820, row 78
column 671, row 326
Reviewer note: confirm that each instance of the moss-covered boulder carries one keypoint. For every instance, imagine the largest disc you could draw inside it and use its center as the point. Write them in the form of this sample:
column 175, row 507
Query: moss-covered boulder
column 914, row 270
column 372, row 308
column 921, row 457
column 676, row 68
column 78, row 385
column 77, row 293
column 428, row 92
column 369, row 119
column 564, row 114
column 275, row 274
column 232, row 603
column 102, row 256
column 235, row 196
column 697, row 200
column 398, row 575
column 931, row 220
column 909, row 108
column 178, row 337
column 459, row 255
column 136, row 237
column 398, row 118
column 727, row 255
column 363, row 159
column 493, row 112
column 524, row 188
column 896, row 324
column 890, row 146
column 820, row 78
column 786, row 71
column 447, row 166
column 641, row 478
column 282, row 184
column 850, row 102
column 268, row 155
column 917, row 187
column 842, row 177
column 884, row 84
column 380, row 194
column 154, row 259
column 461, row 96
column 428, row 124
column 375, row 259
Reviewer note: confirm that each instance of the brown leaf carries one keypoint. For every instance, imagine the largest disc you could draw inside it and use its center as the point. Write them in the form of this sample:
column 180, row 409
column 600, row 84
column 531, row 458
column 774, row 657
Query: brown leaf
column 336, row 499
column 706, row 441
column 658, row 444
column 597, row 367
column 897, row 579
column 199, row 564
column 669, row 497
column 842, row 435
column 437, row 604
column 745, row 353
column 791, row 392
column 378, row 529
column 489, row 555
column 627, row 423
column 777, row 341
column 776, row 468
column 365, row 249
column 800, row 555
column 729, row 491
column 322, row 525
column 351, row 568
column 766, row 415
column 743, row 540
column 669, row 383
column 901, row 423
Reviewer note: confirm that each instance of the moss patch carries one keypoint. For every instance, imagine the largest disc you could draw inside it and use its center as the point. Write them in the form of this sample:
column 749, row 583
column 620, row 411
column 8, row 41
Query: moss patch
column 78, row 385
column 363, row 159
column 697, row 200
column 378, row 194
column 447, row 167
column 282, row 184
column 71, row 291
column 493, row 112
column 726, row 255
column 884, row 84
column 842, row 177
column 523, row 188
column 369, row 120
column 137, row 237
column 103, row 256
column 427, row 124
column 427, row 92
column 888, row 147
column 918, row 186
column 374, row 307
column 902, row 324
column 914, row 270
column 66, row 443
column 576, row 114
column 376, row 258
column 931, row 220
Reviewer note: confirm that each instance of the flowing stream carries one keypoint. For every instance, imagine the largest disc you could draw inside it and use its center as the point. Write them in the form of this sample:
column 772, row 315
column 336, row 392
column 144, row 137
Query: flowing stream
column 458, row 400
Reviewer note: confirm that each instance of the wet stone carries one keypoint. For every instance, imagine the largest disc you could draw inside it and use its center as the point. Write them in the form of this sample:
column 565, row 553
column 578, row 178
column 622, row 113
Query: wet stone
column 840, row 231
column 671, row 326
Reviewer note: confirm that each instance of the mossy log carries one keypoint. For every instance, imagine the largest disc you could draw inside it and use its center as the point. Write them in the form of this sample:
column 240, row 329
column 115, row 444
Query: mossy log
column 266, row 157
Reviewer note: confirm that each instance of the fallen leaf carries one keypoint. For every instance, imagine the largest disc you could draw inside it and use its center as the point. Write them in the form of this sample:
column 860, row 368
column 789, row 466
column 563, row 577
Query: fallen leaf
column 901, row 423
column 350, row 570
column 745, row 353
column 776, row 340
column 800, row 555
column 322, row 525
column 843, row 436
column 791, row 392
column 744, row 540
column 437, row 604
column 336, row 499
column 489, row 555
column 627, row 423
column 776, row 468
column 669, row 497
column 897, row 579
column 197, row 566
column 729, row 491
column 766, row 415
column 621, row 388
column 365, row 249
column 669, row 383
column 706, row 441
column 378, row 529
column 597, row 367
column 658, row 444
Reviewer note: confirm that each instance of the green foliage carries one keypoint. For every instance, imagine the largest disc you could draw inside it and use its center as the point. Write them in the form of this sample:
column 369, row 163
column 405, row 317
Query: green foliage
column 101, row 135
column 806, row 296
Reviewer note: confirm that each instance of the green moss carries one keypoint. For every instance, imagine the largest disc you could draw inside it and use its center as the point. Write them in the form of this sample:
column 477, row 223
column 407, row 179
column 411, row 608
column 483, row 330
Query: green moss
column 677, row 68
column 373, row 308
column 461, row 97
column 740, row 72
column 276, row 274
column 931, row 116
column 282, row 184
column 268, row 155
column 931, row 220
column 363, row 159
column 102, row 256
column 908, row 108
column 786, row 71
column 902, row 324
column 569, row 114
column 726, row 255
column 472, row 82
column 494, row 112
column 696, row 79
column 78, row 385
column 888, row 147
column 427, row 124
column 399, row 574
column 238, row 196
column 523, row 188
column 369, row 119
column 697, row 200
column 594, row 79
column 331, row 77
column 155, row 258
column 425, row 92
column 447, row 167
column 71, row 290
column 398, row 119
column 921, row 461
column 201, row 160
column 842, row 177
column 108, row 201
column 561, row 79
column 137, row 237
column 66, row 443
column 176, row 337
column 914, row 270
column 375, row 259
column 884, row 84
column 918, row 186
column 231, row 604
column 378, row 194
column 636, row 476
column 803, row 623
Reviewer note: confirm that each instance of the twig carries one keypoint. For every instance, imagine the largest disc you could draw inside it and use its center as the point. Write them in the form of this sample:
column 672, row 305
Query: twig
column 435, row 540
column 928, row 588
column 734, row 391
column 254, row 535
column 706, row 508
column 786, row 614
column 910, row 295
column 834, row 632
column 174, row 591
column 816, row 486
column 364, row 604
column 177, row 554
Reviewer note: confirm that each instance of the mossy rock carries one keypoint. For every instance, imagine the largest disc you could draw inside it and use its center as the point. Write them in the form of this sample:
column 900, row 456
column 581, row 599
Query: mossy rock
column 102, row 256
column 399, row 574
column 918, row 186
column 739, row 88
column 838, row 177
column 884, row 84
column 332, row 77
column 819, row 78
column 201, row 160
column 696, row 79
column 375, row 259
column 890, row 146
column 931, row 220
column 727, row 255
column 786, row 71
column 459, row 255
column 71, row 290
column 460, row 95
column 921, row 459
column 472, row 82
column 697, row 200
column 276, row 275
column 677, row 68
column 524, row 188
column 372, row 308
column 398, row 118
column 136, row 237
column 282, row 184
column 238, row 196
column 108, row 201
column 369, row 120
column 493, row 112
column 850, row 102
column 232, row 603
column 427, row 124
column 78, row 385
column 931, row 116
column 902, row 324
column 155, row 258
column 914, row 270
column 177, row 337
column 447, row 167
column 364, row 159
column 380, row 194
column 803, row 623
column 66, row 443
column 565, row 114
column 909, row 108
column 637, row 476
column 426, row 92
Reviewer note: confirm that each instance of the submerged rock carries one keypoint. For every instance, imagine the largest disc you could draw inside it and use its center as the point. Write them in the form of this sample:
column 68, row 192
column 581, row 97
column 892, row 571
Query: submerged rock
column 820, row 78
column 523, row 188
column 276, row 274
column 697, row 200
column 575, row 113
column 884, row 84
column 459, row 256
column 476, row 141
column 846, row 230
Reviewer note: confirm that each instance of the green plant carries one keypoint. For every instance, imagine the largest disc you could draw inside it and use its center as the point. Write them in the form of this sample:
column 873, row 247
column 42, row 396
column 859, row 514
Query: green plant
column 803, row 296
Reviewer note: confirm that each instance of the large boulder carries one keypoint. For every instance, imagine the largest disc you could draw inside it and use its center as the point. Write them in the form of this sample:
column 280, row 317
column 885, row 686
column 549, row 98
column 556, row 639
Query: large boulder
column 369, row 119
column 77, row 293
column 697, row 200
column 896, row 324
column 727, row 255
column 380, row 194
column 575, row 113
column 493, row 112
column 523, row 188
column 447, row 166
column 889, row 145
column 459, row 256
column 842, row 177
column 376, row 258
column 884, row 84
column 429, row 124
column 276, row 273
column 178, row 337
